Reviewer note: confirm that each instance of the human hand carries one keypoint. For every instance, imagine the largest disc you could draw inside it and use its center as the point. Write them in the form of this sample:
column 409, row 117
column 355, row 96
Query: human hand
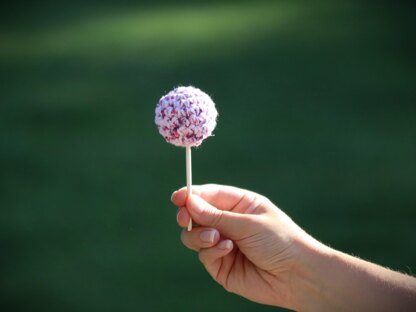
column 245, row 242
column 253, row 249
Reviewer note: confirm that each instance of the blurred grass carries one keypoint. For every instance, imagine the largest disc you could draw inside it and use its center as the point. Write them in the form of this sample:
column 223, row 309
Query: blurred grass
column 153, row 34
column 317, row 111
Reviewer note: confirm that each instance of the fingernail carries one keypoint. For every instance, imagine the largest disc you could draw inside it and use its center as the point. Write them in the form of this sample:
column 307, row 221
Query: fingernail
column 207, row 236
column 225, row 244
column 197, row 204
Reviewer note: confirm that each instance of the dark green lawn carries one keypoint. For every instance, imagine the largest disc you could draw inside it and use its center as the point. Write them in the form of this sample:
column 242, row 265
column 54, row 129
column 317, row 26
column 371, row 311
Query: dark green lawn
column 317, row 107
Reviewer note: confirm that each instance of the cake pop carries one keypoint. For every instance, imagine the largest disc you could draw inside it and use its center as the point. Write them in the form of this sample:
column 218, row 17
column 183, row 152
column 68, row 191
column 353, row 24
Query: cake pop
column 185, row 117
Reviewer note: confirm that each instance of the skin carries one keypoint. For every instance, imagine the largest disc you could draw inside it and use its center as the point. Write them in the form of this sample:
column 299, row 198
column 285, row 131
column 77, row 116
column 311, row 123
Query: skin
column 253, row 249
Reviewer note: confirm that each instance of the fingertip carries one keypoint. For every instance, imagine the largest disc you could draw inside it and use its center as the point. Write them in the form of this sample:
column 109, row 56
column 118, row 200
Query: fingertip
column 179, row 197
column 210, row 256
column 182, row 217
column 173, row 194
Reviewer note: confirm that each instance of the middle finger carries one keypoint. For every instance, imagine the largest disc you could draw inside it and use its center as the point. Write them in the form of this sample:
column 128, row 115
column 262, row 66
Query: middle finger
column 200, row 237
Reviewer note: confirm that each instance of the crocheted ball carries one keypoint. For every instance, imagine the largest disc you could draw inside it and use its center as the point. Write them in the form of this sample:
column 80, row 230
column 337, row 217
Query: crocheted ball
column 186, row 116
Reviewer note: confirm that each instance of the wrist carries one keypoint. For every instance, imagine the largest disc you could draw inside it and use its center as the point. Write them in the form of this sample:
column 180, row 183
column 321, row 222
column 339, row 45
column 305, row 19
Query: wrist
column 314, row 258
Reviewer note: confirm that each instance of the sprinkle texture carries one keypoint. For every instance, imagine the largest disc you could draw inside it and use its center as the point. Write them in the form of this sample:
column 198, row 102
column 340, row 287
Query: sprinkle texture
column 186, row 116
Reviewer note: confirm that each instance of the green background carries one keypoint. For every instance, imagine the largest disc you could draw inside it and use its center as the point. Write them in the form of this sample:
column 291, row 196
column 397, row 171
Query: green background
column 317, row 104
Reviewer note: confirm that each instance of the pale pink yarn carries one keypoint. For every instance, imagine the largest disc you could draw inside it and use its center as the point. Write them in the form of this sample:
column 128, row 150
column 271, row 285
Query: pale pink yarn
column 186, row 116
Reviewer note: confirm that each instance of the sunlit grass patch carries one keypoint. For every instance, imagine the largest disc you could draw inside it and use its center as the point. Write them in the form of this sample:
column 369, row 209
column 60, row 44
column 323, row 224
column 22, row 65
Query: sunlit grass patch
column 164, row 34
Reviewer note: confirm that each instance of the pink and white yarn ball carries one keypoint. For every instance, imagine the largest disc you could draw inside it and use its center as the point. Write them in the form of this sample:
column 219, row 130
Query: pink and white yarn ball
column 186, row 116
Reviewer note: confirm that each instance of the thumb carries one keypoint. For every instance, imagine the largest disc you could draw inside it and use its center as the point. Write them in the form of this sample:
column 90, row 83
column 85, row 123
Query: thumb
column 231, row 224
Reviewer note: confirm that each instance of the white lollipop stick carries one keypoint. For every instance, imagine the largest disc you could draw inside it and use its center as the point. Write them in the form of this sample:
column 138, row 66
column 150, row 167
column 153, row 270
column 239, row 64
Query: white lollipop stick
column 189, row 179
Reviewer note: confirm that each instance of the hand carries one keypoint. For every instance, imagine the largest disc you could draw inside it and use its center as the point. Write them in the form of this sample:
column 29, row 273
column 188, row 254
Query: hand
column 253, row 249
column 245, row 242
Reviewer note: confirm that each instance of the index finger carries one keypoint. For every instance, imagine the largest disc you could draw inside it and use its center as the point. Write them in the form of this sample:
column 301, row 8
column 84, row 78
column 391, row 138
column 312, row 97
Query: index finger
column 223, row 197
